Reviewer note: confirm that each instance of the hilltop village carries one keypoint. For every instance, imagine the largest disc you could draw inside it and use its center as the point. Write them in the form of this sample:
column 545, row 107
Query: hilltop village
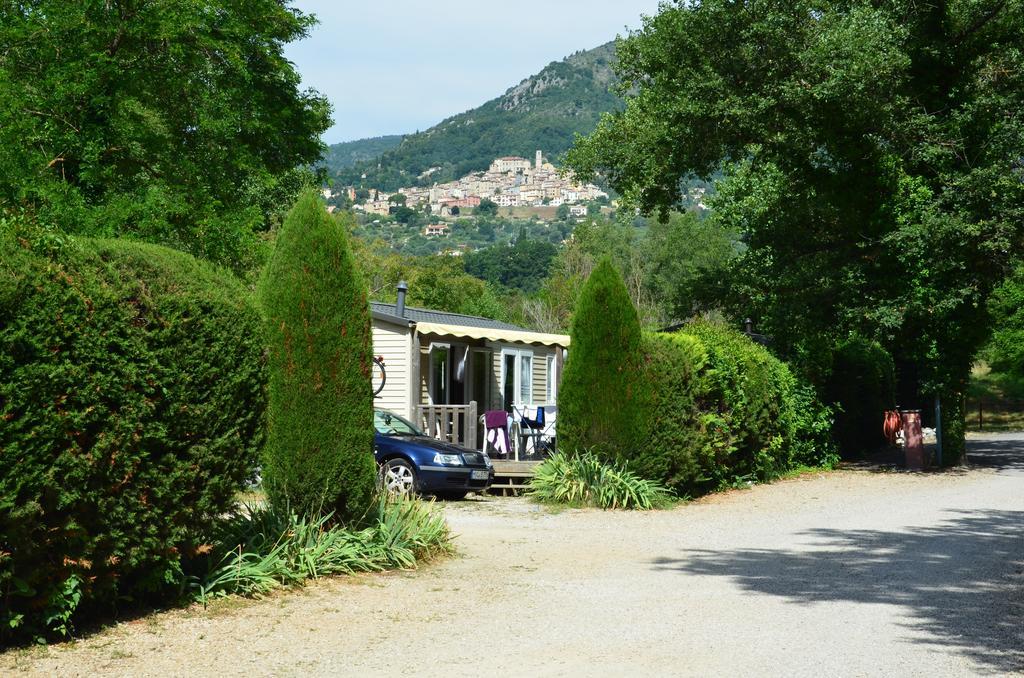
column 510, row 181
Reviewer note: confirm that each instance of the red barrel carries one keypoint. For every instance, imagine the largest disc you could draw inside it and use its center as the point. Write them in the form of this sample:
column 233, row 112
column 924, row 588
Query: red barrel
column 913, row 440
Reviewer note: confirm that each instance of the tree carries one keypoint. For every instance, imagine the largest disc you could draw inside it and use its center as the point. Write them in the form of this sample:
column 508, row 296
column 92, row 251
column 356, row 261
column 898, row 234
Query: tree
column 1006, row 350
column 523, row 266
column 397, row 199
column 871, row 155
column 600, row 402
column 319, row 449
column 562, row 213
column 591, row 241
column 486, row 208
column 438, row 283
column 181, row 123
column 688, row 259
column 405, row 215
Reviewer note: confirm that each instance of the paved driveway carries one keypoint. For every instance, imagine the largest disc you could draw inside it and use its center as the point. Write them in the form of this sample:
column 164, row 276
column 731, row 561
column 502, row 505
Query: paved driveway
column 846, row 574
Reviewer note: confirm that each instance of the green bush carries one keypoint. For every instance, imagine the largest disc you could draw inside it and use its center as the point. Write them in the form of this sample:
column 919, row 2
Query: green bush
column 809, row 424
column 319, row 454
column 724, row 411
column 677, row 429
column 954, row 430
column 862, row 386
column 132, row 405
column 584, row 480
column 744, row 406
column 600, row 399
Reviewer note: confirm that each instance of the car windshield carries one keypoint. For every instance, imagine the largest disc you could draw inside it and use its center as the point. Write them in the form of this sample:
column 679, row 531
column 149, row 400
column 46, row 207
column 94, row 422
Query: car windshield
column 390, row 424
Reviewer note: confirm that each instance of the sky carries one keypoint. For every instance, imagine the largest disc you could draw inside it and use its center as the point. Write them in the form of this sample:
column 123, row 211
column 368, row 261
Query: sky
column 398, row 66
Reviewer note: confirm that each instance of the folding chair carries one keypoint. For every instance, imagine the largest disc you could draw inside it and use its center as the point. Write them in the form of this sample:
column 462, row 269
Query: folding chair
column 532, row 429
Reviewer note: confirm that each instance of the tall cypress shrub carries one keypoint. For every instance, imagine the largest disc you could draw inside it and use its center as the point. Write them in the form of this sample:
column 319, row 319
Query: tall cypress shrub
column 600, row 401
column 319, row 454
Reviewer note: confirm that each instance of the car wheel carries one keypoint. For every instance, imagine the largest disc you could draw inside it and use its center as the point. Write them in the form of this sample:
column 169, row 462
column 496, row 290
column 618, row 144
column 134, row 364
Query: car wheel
column 452, row 495
column 398, row 477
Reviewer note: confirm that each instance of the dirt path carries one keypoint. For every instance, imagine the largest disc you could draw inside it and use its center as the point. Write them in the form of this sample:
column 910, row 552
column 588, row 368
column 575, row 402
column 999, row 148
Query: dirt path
column 845, row 574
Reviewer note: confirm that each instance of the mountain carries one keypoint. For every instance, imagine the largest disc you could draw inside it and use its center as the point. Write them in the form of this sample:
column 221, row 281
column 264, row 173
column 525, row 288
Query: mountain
column 543, row 112
column 351, row 153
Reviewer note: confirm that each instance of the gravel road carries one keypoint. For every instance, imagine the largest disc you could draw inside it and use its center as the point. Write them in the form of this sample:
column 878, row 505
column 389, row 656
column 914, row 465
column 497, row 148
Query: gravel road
column 853, row 573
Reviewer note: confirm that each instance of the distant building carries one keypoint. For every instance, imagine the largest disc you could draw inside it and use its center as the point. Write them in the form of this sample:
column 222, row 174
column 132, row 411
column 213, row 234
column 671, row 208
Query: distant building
column 540, row 161
column 468, row 201
column 436, row 230
column 530, row 196
column 381, row 207
column 578, row 211
column 510, row 163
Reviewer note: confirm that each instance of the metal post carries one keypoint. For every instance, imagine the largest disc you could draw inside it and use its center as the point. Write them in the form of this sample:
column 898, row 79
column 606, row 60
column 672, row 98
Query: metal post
column 938, row 429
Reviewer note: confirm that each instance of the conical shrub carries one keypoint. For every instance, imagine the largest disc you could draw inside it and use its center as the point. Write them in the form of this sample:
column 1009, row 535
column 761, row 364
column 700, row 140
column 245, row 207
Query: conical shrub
column 319, row 454
column 600, row 400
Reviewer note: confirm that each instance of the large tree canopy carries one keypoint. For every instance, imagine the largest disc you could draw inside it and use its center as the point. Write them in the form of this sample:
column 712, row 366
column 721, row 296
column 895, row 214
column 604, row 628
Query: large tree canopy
column 179, row 122
column 873, row 158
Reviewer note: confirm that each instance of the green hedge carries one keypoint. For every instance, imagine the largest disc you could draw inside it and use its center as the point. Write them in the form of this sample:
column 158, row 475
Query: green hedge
column 132, row 404
column 724, row 410
column 862, row 386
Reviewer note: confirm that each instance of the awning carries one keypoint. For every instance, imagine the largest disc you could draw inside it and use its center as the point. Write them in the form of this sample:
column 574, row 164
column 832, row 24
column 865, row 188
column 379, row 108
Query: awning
column 490, row 334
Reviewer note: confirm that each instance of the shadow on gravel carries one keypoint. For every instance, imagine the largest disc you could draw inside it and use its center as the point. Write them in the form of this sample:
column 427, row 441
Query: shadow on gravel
column 1003, row 453
column 963, row 579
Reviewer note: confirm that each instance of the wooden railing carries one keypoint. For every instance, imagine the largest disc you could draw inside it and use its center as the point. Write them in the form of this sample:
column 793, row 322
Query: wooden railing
column 456, row 424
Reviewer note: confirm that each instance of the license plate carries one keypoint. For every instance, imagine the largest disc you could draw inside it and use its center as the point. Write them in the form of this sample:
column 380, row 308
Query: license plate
column 480, row 475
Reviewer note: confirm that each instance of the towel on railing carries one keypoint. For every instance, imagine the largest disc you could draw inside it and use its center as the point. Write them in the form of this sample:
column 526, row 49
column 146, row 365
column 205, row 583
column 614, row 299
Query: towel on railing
column 537, row 418
column 496, row 426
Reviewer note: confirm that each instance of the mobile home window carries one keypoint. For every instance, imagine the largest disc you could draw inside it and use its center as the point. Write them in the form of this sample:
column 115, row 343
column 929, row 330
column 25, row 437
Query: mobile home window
column 516, row 377
column 440, row 356
column 551, row 393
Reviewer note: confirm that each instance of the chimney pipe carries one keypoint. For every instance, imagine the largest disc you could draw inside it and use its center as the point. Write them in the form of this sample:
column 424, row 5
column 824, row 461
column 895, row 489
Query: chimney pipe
column 400, row 307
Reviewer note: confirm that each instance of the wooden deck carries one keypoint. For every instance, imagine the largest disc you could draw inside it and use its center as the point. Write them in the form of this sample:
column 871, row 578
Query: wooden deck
column 510, row 476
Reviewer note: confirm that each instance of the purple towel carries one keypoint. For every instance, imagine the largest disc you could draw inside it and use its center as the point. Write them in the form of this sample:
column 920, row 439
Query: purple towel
column 496, row 419
column 496, row 424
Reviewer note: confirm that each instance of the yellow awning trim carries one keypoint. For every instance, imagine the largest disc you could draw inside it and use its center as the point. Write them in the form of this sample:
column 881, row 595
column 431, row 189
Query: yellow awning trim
column 490, row 334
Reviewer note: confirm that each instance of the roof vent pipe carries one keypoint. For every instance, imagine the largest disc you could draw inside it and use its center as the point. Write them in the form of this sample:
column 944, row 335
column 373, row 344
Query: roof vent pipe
column 400, row 307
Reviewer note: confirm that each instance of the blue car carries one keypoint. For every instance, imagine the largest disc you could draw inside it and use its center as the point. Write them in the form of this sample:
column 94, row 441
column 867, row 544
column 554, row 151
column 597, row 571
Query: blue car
column 412, row 462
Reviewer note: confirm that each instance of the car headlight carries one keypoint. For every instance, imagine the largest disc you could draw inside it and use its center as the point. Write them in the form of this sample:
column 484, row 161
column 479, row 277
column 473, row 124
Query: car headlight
column 487, row 461
column 447, row 459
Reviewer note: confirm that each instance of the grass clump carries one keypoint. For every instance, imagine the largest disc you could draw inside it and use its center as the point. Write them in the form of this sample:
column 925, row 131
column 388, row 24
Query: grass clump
column 259, row 549
column 584, row 480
